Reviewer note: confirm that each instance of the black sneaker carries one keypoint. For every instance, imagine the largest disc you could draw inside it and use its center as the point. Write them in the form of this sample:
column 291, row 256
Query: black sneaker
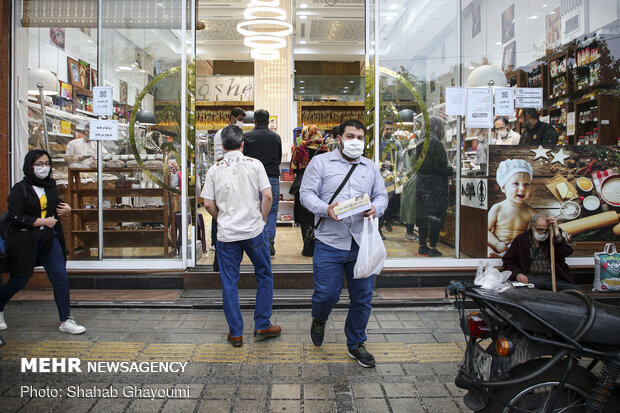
column 363, row 357
column 423, row 250
column 272, row 248
column 434, row 252
column 317, row 332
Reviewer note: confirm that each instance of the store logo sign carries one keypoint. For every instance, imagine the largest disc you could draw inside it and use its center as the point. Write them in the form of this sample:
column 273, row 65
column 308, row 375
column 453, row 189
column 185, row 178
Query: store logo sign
column 225, row 88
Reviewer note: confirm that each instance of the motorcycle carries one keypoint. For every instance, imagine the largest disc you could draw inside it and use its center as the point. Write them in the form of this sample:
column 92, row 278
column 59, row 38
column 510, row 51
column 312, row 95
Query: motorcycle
column 531, row 350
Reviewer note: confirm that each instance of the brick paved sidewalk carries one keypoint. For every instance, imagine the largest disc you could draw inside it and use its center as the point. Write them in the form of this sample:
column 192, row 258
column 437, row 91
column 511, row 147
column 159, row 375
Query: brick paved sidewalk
column 417, row 350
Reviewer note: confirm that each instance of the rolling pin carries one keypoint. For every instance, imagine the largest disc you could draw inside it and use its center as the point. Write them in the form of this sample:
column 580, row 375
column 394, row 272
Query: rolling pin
column 604, row 219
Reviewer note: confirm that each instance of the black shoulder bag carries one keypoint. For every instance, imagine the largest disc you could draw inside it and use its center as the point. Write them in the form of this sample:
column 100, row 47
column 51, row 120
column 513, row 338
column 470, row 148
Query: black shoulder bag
column 344, row 181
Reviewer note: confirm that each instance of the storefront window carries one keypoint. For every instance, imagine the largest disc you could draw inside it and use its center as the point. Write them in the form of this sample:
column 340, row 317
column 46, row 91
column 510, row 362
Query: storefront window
column 418, row 59
column 139, row 182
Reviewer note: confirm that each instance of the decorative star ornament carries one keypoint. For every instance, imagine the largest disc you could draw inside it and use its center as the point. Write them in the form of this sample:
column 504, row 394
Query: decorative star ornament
column 540, row 152
column 559, row 157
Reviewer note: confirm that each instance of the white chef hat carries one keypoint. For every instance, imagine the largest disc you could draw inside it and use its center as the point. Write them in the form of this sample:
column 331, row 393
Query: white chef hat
column 507, row 168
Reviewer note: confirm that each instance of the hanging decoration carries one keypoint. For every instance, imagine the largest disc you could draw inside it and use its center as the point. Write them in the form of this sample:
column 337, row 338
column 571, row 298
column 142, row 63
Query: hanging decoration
column 264, row 29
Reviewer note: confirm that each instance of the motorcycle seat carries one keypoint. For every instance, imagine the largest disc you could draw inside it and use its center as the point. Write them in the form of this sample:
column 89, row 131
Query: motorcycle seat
column 563, row 311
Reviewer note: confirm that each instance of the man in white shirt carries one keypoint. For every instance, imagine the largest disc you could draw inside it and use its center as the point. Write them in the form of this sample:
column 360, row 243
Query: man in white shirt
column 236, row 117
column 231, row 195
column 81, row 151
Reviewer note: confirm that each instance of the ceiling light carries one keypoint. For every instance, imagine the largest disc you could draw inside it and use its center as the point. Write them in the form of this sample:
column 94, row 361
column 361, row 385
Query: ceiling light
column 346, row 87
column 277, row 13
column 264, row 42
column 393, row 6
column 264, row 54
column 267, row 33
column 125, row 68
column 351, row 81
column 389, row 18
column 303, row 6
column 498, row 43
column 302, row 17
column 302, row 42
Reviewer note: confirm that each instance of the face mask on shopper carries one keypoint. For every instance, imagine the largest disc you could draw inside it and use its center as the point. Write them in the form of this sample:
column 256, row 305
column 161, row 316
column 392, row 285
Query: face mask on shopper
column 541, row 237
column 352, row 148
column 41, row 172
column 502, row 135
column 239, row 123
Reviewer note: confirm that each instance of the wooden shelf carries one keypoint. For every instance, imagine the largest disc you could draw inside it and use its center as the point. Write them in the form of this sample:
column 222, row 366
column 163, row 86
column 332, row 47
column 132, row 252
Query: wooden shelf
column 78, row 194
column 121, row 238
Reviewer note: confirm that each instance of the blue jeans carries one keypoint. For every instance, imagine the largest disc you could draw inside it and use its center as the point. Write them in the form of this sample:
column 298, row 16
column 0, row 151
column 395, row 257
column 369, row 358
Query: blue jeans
column 272, row 218
column 331, row 266
column 54, row 263
column 229, row 255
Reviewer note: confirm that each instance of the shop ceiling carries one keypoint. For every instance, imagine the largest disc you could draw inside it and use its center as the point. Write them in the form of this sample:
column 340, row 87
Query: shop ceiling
column 324, row 30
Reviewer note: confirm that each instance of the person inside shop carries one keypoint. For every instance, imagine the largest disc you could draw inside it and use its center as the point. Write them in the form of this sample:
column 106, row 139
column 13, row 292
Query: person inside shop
column 536, row 132
column 529, row 258
column 266, row 146
column 81, row 151
column 337, row 241
column 482, row 147
column 231, row 194
column 504, row 135
column 34, row 237
column 310, row 146
column 236, row 117
column 390, row 155
column 432, row 188
column 407, row 197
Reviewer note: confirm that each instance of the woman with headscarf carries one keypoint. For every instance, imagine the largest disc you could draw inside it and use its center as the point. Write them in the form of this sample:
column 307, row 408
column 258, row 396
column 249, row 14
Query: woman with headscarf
column 432, row 188
column 311, row 145
column 35, row 236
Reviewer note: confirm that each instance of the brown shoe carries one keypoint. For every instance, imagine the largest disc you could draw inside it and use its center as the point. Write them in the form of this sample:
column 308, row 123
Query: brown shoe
column 271, row 331
column 235, row 341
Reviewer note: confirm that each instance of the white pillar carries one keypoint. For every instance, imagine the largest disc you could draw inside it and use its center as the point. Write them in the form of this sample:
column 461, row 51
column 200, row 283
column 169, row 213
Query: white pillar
column 273, row 89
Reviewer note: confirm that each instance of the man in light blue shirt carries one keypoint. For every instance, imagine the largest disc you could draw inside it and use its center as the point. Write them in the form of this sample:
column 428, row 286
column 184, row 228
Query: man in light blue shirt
column 337, row 242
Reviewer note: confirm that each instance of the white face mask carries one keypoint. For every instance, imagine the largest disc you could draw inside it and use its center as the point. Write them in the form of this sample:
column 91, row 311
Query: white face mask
column 353, row 148
column 540, row 237
column 502, row 135
column 239, row 123
column 42, row 172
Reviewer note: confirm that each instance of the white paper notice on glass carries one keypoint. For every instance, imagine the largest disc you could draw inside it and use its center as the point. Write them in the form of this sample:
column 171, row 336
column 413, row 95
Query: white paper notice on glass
column 529, row 97
column 479, row 107
column 103, row 130
column 504, row 101
column 570, row 124
column 455, row 101
column 102, row 101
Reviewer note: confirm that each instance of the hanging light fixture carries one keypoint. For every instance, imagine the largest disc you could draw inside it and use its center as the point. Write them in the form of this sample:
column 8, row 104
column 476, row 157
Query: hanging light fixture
column 264, row 29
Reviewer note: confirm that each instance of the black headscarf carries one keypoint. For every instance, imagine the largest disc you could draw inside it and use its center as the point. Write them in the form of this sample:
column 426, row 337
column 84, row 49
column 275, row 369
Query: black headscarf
column 28, row 169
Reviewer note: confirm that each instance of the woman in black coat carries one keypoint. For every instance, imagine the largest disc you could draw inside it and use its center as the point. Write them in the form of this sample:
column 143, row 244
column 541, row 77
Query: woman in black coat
column 35, row 236
column 432, row 189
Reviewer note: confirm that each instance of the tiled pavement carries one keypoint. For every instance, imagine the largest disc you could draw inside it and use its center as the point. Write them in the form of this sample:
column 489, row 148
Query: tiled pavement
column 417, row 351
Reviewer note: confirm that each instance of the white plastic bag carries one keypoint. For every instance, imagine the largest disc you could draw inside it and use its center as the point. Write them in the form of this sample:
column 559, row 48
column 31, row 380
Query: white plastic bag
column 489, row 277
column 372, row 251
